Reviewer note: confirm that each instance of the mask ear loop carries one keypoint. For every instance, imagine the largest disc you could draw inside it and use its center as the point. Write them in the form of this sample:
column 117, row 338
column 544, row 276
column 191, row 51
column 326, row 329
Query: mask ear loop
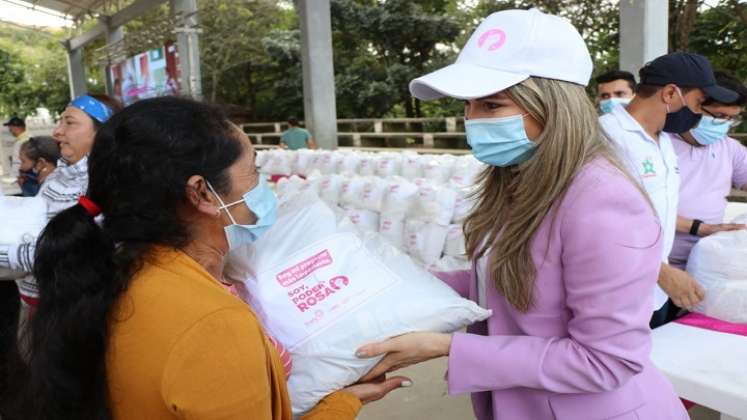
column 682, row 98
column 223, row 205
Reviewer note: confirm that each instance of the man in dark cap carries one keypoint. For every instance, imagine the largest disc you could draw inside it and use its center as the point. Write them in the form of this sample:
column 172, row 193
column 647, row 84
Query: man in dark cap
column 668, row 100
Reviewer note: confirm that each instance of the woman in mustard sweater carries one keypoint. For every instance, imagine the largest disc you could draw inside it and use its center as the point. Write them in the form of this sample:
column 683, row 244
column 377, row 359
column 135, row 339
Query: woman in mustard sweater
column 132, row 321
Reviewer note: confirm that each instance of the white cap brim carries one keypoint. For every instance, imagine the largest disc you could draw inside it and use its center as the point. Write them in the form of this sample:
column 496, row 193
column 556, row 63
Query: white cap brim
column 463, row 81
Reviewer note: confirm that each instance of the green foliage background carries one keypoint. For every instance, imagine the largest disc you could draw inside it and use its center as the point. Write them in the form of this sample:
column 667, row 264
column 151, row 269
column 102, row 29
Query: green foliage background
column 251, row 52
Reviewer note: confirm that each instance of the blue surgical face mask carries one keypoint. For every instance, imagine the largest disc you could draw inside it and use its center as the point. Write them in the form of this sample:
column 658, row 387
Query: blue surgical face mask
column 606, row 105
column 710, row 130
column 499, row 141
column 262, row 202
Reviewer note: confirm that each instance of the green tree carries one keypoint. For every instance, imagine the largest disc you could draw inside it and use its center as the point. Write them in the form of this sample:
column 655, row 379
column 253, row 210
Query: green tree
column 384, row 45
column 281, row 94
column 231, row 36
column 32, row 70
column 720, row 33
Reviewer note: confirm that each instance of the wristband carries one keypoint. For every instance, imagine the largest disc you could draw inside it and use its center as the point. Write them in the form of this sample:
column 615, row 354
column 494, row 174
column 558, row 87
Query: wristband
column 695, row 227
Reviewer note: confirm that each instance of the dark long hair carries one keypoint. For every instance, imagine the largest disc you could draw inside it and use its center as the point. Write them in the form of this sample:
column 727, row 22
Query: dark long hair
column 138, row 171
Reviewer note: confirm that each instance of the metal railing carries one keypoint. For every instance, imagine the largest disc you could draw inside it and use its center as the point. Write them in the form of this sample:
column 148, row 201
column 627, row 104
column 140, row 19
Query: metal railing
column 422, row 133
column 426, row 133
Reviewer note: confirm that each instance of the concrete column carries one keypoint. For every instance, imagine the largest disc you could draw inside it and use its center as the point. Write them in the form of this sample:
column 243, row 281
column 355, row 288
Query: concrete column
column 113, row 36
column 428, row 140
column 318, row 71
column 188, row 47
column 76, row 72
column 451, row 124
column 644, row 32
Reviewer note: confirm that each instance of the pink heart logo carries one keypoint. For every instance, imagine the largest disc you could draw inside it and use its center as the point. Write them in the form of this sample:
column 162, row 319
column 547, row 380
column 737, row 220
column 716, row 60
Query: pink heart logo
column 492, row 33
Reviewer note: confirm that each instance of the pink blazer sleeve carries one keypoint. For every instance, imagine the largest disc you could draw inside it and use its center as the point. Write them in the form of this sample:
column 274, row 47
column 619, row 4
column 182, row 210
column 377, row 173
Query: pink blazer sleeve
column 458, row 280
column 610, row 261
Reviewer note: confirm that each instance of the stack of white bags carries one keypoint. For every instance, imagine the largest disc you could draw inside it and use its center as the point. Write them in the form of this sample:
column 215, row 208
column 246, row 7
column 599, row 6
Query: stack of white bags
column 417, row 202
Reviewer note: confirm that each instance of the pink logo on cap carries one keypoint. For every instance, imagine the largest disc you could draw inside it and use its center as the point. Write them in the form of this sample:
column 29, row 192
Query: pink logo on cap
column 495, row 32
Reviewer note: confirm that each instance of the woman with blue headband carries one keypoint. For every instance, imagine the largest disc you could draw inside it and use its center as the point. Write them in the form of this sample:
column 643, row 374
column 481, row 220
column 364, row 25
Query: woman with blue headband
column 75, row 132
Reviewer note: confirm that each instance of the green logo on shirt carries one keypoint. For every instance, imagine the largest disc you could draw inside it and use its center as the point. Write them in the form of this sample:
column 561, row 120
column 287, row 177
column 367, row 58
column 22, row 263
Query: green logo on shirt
column 648, row 167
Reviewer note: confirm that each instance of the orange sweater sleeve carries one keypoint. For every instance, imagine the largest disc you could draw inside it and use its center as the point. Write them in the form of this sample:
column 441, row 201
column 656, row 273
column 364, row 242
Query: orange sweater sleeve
column 340, row 405
column 219, row 369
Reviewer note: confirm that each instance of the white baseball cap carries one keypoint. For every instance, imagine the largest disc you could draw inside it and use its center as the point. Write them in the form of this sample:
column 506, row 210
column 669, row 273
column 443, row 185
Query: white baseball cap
column 507, row 48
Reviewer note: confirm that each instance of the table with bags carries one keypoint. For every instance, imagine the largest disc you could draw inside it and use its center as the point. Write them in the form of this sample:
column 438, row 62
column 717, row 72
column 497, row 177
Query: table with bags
column 704, row 354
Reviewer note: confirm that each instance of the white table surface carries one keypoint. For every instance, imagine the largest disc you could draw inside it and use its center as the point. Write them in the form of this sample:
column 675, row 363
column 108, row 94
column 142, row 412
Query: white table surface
column 706, row 367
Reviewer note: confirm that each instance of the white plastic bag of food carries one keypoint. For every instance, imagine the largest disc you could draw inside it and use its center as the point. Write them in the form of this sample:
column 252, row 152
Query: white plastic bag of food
column 330, row 187
column 434, row 203
column 392, row 228
column 314, row 164
column 367, row 164
column 372, row 194
column 437, row 168
column 348, row 164
column 261, row 158
column 719, row 263
column 366, row 220
column 323, row 289
column 465, row 202
column 465, row 171
column 286, row 187
column 328, row 162
column 398, row 197
column 389, row 164
column 411, row 165
column 455, row 246
column 425, row 241
column 278, row 162
column 351, row 191
column 304, row 161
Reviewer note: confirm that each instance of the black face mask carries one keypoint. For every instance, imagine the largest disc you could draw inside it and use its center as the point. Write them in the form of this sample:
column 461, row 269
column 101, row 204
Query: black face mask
column 681, row 121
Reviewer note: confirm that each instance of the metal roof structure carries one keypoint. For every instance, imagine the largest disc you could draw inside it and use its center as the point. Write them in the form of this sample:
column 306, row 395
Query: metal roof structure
column 73, row 9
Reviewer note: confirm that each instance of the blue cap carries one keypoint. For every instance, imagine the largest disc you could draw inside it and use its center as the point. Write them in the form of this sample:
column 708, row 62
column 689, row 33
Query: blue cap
column 93, row 107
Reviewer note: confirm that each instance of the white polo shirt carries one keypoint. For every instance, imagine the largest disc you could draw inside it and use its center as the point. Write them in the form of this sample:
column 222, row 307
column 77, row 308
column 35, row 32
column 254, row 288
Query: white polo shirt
column 654, row 164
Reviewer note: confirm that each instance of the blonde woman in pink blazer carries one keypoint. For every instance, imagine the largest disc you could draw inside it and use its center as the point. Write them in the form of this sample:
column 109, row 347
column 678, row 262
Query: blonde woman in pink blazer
column 565, row 245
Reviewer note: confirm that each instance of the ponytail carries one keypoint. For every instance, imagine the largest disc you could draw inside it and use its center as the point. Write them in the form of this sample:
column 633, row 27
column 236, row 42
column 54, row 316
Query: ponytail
column 83, row 267
column 73, row 266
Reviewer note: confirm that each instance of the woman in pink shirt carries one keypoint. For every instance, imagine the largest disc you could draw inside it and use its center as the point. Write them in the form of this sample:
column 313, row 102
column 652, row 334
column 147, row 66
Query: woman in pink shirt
column 566, row 247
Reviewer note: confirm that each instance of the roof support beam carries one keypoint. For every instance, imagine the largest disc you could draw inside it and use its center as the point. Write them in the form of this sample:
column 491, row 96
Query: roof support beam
column 118, row 19
column 644, row 32
column 319, row 106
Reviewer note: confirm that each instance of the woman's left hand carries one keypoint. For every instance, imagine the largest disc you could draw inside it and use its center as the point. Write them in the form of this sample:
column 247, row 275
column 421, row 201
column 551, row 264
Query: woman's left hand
column 405, row 350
